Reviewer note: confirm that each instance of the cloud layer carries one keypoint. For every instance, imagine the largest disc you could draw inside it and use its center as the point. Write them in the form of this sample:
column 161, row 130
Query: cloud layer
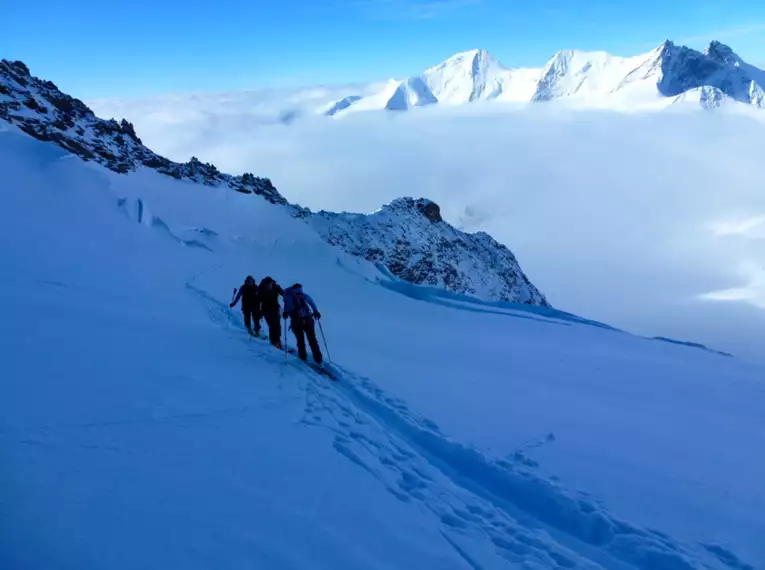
column 652, row 222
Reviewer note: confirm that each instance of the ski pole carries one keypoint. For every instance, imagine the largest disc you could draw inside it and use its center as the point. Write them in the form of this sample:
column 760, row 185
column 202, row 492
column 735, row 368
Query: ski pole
column 324, row 339
column 285, row 340
column 228, row 319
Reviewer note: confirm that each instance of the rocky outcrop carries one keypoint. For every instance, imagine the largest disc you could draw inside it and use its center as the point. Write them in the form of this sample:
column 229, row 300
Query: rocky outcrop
column 684, row 69
column 413, row 242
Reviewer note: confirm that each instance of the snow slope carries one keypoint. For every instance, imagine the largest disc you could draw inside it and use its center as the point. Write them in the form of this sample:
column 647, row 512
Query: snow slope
column 140, row 428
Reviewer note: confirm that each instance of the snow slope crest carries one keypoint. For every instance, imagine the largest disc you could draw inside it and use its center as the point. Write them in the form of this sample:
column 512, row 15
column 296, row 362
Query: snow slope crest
column 409, row 237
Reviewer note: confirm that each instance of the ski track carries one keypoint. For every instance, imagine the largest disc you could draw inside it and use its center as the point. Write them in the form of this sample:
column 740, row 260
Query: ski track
column 525, row 519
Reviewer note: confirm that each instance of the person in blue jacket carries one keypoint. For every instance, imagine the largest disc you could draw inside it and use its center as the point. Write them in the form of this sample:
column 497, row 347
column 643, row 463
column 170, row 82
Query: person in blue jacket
column 301, row 309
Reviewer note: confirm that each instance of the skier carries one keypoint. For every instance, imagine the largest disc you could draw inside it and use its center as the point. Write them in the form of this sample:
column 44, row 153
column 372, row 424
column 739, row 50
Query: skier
column 270, row 309
column 248, row 293
column 300, row 307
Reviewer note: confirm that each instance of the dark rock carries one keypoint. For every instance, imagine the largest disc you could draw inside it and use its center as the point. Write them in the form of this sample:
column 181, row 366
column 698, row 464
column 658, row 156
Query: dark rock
column 32, row 103
column 20, row 67
column 430, row 210
column 128, row 128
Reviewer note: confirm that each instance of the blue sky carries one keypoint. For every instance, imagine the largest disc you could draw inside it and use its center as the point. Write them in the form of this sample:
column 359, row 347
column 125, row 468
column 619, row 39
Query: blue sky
column 118, row 48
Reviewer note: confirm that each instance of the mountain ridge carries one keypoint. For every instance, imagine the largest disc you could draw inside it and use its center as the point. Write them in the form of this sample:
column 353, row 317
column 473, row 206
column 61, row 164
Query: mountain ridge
column 663, row 76
column 432, row 253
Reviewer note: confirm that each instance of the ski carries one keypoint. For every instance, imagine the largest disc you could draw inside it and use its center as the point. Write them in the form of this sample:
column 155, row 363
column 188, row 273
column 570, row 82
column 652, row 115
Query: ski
column 323, row 369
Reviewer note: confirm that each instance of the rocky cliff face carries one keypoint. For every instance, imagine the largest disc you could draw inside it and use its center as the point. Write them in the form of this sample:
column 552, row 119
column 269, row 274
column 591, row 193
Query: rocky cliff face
column 410, row 238
column 407, row 236
column 675, row 71
column 39, row 109
column 718, row 68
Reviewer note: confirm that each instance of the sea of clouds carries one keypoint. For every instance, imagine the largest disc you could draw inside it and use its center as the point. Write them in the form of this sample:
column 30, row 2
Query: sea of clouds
column 653, row 222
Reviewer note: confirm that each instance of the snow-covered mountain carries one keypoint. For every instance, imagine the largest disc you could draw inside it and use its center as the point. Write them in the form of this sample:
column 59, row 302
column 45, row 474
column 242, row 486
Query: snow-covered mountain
column 661, row 77
column 463, row 78
column 410, row 238
column 141, row 427
column 477, row 76
column 416, row 249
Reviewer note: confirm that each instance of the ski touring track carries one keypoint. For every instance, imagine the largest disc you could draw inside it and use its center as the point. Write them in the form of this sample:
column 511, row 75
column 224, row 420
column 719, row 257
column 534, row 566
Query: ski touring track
column 494, row 513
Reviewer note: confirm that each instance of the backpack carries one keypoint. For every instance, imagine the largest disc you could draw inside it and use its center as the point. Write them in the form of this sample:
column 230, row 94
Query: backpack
column 302, row 309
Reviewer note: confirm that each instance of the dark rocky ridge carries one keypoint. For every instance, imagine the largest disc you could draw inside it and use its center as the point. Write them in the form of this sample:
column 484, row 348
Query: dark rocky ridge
column 41, row 110
column 409, row 237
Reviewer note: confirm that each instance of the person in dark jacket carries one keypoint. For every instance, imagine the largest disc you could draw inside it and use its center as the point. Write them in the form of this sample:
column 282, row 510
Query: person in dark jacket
column 270, row 309
column 301, row 309
column 250, row 297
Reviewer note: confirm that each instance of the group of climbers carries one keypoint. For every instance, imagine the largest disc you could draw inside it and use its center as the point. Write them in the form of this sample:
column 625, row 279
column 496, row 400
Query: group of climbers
column 262, row 302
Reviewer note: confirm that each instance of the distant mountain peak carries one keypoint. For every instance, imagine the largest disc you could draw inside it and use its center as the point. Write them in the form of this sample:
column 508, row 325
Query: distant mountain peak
column 423, row 206
column 666, row 75
column 562, row 54
column 718, row 47
column 722, row 53
column 470, row 55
